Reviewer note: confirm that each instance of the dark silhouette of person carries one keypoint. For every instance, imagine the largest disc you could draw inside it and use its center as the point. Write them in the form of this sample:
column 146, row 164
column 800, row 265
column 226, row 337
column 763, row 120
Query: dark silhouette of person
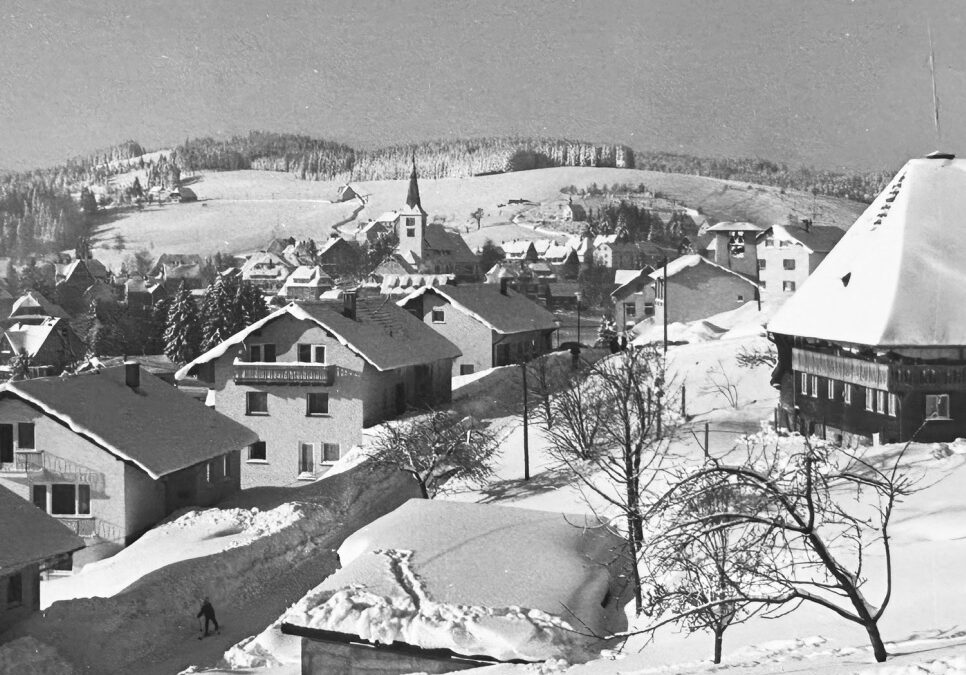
column 208, row 612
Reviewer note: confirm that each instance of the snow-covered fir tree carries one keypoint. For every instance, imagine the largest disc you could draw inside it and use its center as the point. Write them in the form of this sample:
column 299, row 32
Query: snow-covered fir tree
column 182, row 332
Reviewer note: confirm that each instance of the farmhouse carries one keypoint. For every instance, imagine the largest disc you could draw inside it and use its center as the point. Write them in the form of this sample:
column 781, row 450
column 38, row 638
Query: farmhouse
column 49, row 346
column 874, row 345
column 111, row 453
column 266, row 270
column 308, row 378
column 491, row 325
column 32, row 543
column 467, row 585
column 32, row 307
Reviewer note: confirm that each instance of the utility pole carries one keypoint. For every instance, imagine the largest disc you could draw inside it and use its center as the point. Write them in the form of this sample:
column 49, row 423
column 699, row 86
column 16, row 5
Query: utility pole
column 526, row 429
column 664, row 294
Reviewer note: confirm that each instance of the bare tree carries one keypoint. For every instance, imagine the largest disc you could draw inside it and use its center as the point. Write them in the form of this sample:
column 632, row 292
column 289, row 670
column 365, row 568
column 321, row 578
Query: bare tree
column 819, row 509
column 752, row 357
column 477, row 216
column 435, row 448
column 719, row 382
column 611, row 428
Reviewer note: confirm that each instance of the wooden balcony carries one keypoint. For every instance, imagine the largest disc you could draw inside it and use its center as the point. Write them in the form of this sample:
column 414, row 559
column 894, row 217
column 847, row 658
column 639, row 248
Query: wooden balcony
column 284, row 373
column 81, row 526
column 24, row 461
column 886, row 376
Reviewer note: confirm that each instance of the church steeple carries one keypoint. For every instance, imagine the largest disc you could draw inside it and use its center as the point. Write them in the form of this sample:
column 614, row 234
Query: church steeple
column 412, row 199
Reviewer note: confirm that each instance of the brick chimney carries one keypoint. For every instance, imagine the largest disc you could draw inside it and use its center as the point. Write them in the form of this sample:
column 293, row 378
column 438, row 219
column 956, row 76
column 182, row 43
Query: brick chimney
column 349, row 304
column 132, row 374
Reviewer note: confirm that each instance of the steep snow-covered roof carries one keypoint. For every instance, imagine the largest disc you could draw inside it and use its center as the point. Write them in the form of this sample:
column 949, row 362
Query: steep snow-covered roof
column 155, row 427
column 621, row 277
column 30, row 338
column 817, row 238
column 498, row 581
column 506, row 314
column 685, row 262
column 29, row 535
column 383, row 334
column 897, row 277
column 33, row 303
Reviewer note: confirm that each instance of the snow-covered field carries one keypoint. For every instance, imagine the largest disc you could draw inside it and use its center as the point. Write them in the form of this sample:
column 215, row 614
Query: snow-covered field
column 260, row 554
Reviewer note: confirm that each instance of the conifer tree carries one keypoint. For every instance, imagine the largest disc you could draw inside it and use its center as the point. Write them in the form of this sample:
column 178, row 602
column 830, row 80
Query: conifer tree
column 182, row 333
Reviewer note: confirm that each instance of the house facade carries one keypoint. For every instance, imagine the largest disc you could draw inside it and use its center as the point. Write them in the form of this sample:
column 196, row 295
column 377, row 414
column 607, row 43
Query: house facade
column 50, row 346
column 491, row 324
column 788, row 254
column 267, row 271
column 872, row 347
column 691, row 288
column 634, row 299
column 111, row 453
column 308, row 379
column 32, row 543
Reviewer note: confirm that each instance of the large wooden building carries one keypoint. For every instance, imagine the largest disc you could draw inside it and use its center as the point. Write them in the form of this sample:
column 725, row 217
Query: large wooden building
column 873, row 346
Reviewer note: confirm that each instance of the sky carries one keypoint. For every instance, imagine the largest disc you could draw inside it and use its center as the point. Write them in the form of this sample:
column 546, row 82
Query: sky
column 827, row 83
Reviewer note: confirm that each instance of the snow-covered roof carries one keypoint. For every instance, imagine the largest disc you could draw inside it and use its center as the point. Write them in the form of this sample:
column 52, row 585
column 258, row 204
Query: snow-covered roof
column 33, row 303
column 685, row 262
column 383, row 334
column 311, row 276
column 478, row 579
column 155, row 427
column 504, row 313
column 30, row 338
column 728, row 226
column 621, row 277
column 387, row 217
column 897, row 277
column 29, row 535
column 817, row 238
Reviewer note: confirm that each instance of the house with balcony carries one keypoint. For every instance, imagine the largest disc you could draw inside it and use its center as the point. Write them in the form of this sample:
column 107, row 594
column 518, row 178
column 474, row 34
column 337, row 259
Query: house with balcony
column 491, row 324
column 112, row 452
column 266, row 270
column 307, row 282
column 873, row 346
column 33, row 542
column 307, row 379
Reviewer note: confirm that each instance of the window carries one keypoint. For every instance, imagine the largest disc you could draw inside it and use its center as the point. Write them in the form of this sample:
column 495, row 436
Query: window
column 261, row 353
column 804, row 378
column 306, row 457
column 311, row 353
column 937, row 406
column 439, row 316
column 761, row 264
column 630, row 310
column 761, row 284
column 847, row 393
column 256, row 403
column 813, row 385
column 210, row 472
column 15, row 590
column 769, row 241
column 25, row 436
column 880, row 401
column 226, row 466
column 741, row 298
column 788, row 286
column 68, row 499
column 330, row 452
column 870, row 399
column 257, row 452
column 831, row 390
column 410, row 227
column 466, row 368
column 316, row 403
column 788, row 264
column 893, row 404
column 39, row 496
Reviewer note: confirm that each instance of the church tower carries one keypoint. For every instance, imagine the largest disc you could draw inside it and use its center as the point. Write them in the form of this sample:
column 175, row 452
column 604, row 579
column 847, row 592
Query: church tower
column 412, row 220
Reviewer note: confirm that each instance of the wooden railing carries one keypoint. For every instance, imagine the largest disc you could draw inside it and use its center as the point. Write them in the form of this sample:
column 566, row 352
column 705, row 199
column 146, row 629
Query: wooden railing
column 82, row 527
column 24, row 461
column 283, row 373
column 885, row 376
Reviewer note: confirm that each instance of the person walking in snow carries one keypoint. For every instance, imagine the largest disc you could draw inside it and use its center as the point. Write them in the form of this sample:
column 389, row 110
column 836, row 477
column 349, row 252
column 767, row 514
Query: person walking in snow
column 208, row 612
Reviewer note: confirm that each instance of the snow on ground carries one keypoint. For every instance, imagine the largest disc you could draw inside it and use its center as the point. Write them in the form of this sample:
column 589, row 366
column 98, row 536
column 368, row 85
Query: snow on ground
column 30, row 656
column 254, row 558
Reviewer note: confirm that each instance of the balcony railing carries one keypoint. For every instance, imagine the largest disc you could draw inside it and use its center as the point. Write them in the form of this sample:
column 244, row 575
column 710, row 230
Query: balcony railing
column 885, row 376
column 284, row 373
column 82, row 527
column 24, row 461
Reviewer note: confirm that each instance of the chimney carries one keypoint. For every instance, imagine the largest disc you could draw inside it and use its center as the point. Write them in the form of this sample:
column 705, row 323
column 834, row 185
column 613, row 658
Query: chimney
column 349, row 304
column 132, row 374
column 503, row 285
column 806, row 223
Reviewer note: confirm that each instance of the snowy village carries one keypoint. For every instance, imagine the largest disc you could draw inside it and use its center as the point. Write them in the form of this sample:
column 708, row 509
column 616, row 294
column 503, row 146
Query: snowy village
column 275, row 404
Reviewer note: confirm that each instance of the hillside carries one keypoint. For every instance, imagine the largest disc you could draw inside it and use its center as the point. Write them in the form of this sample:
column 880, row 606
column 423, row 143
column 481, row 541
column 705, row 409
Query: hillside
column 239, row 211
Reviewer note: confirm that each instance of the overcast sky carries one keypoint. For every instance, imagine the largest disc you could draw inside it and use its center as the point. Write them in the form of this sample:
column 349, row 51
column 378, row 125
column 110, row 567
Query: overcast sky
column 828, row 83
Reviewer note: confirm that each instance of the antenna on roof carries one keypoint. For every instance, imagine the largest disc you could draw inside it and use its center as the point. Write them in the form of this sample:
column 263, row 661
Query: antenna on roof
column 935, row 94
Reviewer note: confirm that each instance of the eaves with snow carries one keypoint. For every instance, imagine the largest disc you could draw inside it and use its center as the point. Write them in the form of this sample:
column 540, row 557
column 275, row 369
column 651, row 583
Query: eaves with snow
column 476, row 580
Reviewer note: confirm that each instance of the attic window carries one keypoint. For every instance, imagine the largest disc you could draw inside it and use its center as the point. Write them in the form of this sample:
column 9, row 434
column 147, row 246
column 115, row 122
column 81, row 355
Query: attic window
column 846, row 279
